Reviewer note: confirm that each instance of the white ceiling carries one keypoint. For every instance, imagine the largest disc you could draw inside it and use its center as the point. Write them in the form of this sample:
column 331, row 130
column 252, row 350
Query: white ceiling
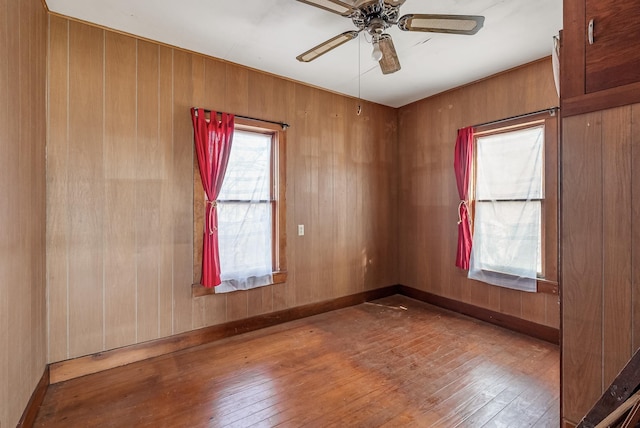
column 269, row 34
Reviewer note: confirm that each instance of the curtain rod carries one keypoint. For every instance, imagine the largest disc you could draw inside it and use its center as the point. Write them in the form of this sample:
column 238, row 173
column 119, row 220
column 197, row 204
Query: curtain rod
column 551, row 110
column 282, row 124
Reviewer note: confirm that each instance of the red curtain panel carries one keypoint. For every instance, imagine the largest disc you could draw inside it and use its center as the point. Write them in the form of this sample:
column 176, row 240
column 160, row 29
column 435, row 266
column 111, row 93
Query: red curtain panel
column 213, row 139
column 462, row 166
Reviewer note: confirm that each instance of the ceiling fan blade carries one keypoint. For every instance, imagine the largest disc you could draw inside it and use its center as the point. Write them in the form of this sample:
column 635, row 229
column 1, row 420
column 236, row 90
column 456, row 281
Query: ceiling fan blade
column 325, row 47
column 454, row 24
column 394, row 3
column 335, row 6
column 389, row 62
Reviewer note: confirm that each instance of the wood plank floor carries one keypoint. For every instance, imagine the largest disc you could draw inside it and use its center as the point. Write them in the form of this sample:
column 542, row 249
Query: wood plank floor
column 389, row 363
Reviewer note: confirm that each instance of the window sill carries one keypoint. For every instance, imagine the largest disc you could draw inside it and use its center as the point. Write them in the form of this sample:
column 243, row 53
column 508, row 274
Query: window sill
column 548, row 287
column 544, row 286
column 197, row 290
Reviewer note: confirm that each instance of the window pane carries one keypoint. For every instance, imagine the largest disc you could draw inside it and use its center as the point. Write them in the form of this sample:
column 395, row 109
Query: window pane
column 244, row 233
column 248, row 175
column 509, row 165
column 508, row 237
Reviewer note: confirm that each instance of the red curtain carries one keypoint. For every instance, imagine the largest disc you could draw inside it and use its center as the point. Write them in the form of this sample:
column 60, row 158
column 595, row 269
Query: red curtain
column 213, row 139
column 462, row 166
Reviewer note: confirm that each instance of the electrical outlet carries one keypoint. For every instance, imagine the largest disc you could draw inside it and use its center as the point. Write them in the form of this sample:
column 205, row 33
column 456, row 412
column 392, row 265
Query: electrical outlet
column 301, row 230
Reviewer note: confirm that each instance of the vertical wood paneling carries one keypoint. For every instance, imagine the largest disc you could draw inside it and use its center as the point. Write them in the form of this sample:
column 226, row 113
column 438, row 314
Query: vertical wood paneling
column 262, row 90
column 14, row 252
column 389, row 173
column 340, row 181
column 600, row 262
column 23, row 330
column 120, row 59
column 428, row 201
column 536, row 307
column 7, row 145
column 215, row 88
column 215, row 309
column 237, row 305
column 325, row 207
column 182, row 192
column 381, row 232
column 617, row 244
column 407, row 219
column 343, row 253
column 57, row 191
column 5, row 274
column 305, row 161
column 166, row 197
column 119, row 281
column 86, row 189
column 510, row 302
column 348, row 246
column 635, row 228
column 582, row 271
column 150, row 164
column 236, row 86
column 600, row 257
column 284, row 294
column 150, row 158
column 120, row 140
column 552, row 304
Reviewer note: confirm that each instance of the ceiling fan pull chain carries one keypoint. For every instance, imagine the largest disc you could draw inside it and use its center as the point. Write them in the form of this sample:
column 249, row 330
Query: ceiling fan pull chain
column 359, row 110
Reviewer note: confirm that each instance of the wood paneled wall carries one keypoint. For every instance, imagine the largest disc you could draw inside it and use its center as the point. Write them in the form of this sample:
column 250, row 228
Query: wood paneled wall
column 120, row 190
column 600, row 252
column 23, row 35
column 428, row 197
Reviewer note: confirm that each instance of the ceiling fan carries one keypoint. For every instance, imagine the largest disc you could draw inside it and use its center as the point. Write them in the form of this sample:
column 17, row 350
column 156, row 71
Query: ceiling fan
column 375, row 16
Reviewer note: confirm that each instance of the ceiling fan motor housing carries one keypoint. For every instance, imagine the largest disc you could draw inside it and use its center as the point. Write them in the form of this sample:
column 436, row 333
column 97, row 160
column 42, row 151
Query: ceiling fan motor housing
column 375, row 16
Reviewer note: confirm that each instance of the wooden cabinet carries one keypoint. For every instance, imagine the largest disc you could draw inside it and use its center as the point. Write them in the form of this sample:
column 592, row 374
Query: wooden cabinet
column 612, row 54
column 600, row 55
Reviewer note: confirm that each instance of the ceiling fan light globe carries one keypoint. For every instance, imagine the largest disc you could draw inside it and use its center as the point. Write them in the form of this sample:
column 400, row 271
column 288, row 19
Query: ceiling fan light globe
column 376, row 55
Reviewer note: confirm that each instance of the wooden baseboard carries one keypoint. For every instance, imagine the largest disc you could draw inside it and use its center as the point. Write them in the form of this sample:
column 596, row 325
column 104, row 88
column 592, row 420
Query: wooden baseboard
column 509, row 322
column 81, row 366
column 31, row 411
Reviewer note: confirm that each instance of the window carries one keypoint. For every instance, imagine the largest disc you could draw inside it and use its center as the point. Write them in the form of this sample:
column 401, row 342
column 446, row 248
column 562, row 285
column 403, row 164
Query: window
column 515, row 235
column 251, row 212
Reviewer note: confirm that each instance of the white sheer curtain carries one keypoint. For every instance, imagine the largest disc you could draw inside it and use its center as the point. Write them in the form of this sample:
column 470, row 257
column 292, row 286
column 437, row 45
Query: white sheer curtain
column 244, row 214
column 509, row 192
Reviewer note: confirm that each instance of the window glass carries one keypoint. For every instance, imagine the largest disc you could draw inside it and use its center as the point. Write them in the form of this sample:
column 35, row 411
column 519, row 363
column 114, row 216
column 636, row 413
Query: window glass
column 248, row 175
column 245, row 223
column 509, row 191
column 509, row 165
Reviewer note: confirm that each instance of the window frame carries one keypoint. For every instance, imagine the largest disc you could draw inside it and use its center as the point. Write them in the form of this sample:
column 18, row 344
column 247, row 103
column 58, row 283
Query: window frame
column 548, row 282
column 278, row 203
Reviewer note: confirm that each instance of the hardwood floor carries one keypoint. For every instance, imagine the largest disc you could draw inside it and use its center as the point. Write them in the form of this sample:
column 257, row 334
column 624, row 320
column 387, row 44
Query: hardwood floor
column 389, row 363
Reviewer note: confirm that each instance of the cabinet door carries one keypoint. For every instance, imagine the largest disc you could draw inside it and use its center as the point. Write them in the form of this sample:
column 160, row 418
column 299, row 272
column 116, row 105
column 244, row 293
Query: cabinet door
column 613, row 59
